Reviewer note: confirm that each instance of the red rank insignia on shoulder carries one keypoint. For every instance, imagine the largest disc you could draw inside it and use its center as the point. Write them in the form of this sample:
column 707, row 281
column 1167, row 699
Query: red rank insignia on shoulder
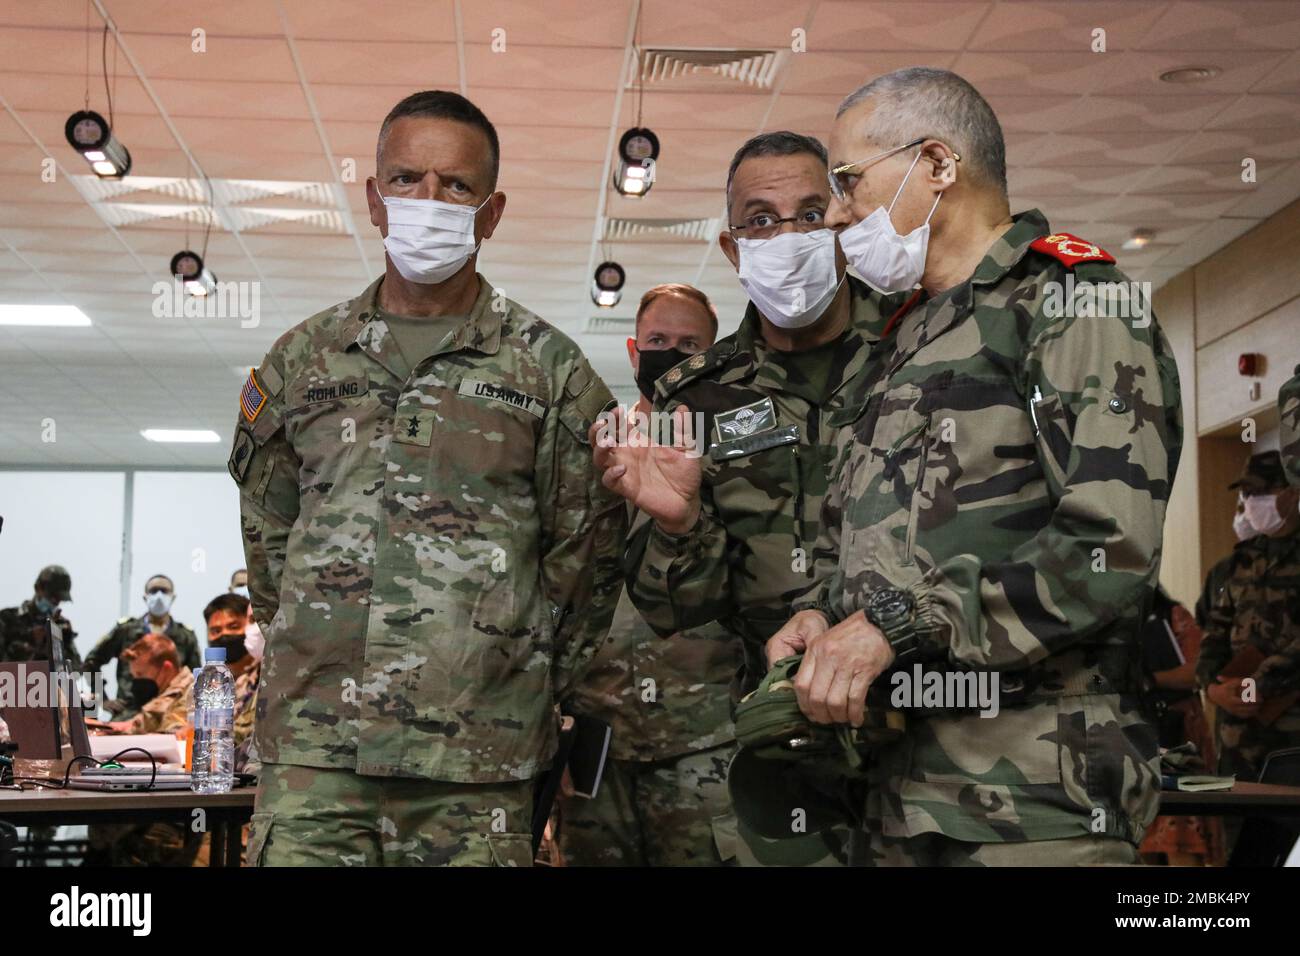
column 1070, row 250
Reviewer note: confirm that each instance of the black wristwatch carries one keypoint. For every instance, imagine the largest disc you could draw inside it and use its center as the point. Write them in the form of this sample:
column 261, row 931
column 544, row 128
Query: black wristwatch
column 892, row 610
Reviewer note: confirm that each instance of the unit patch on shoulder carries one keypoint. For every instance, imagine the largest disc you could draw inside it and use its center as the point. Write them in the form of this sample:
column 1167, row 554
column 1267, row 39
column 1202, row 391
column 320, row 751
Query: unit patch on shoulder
column 252, row 399
column 1070, row 250
column 744, row 421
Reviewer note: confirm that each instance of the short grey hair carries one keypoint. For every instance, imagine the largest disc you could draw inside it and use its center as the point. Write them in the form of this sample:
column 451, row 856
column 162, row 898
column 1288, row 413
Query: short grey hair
column 921, row 101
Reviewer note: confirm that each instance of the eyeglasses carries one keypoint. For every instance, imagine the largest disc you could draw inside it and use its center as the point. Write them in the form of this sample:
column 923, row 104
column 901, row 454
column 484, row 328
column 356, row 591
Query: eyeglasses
column 843, row 180
column 764, row 225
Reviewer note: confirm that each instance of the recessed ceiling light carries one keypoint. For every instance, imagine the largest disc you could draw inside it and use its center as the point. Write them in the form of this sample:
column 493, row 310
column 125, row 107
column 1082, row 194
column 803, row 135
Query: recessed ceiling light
column 48, row 315
column 202, row 435
column 1190, row 74
column 1140, row 239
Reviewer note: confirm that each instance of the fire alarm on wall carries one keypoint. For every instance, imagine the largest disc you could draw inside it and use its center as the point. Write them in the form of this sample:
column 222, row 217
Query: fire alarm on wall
column 1250, row 363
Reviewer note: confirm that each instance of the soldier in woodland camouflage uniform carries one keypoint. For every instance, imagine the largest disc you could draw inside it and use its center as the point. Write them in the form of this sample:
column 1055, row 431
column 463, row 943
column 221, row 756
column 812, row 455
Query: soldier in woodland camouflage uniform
column 1288, row 402
column 728, row 536
column 431, row 557
column 999, row 501
column 663, row 800
column 23, row 633
column 1258, row 610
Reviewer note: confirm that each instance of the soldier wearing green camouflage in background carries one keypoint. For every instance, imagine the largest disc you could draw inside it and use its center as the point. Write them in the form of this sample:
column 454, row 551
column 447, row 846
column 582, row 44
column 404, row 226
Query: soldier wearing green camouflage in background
column 1247, row 546
column 663, row 799
column 23, row 633
column 999, row 502
column 431, row 557
column 1257, row 610
column 728, row 536
column 1288, row 406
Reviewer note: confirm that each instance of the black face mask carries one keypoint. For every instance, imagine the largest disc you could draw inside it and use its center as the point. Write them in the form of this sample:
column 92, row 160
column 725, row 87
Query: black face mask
column 652, row 365
column 234, row 646
column 143, row 690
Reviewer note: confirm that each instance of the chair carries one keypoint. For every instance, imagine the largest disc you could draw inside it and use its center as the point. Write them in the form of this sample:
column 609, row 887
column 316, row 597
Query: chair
column 1267, row 841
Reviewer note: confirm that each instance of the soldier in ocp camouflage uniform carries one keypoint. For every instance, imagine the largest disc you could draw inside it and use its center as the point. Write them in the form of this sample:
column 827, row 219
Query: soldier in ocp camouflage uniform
column 663, row 799
column 998, row 504
column 1288, row 402
column 431, row 557
column 743, row 549
column 1257, row 611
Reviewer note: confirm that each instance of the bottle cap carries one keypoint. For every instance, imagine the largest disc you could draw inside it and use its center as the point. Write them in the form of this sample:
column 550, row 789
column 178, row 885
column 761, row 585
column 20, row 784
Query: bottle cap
column 215, row 654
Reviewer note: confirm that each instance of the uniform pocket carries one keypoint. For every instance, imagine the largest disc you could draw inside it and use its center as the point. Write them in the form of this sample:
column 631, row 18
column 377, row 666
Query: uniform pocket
column 956, row 749
column 724, row 836
column 510, row 849
column 259, row 838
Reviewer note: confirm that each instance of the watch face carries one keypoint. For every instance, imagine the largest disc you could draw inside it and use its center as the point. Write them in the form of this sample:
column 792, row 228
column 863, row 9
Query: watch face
column 639, row 148
column 87, row 132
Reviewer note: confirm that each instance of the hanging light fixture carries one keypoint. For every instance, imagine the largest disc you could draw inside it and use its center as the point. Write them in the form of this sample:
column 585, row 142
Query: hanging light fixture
column 638, row 151
column 90, row 135
column 188, row 267
column 607, row 284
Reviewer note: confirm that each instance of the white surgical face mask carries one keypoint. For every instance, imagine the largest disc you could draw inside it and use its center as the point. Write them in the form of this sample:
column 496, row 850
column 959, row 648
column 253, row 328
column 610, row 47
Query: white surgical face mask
column 790, row 278
column 1242, row 527
column 158, row 602
column 254, row 641
column 429, row 240
column 1263, row 514
column 885, row 260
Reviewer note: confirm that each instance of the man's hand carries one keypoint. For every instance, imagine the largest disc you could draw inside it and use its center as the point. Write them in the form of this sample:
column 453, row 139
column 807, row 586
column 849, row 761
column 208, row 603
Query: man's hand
column 838, row 668
column 1226, row 694
column 795, row 634
column 661, row 480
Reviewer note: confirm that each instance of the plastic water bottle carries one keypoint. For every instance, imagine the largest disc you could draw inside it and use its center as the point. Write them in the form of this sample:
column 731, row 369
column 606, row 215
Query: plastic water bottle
column 213, row 770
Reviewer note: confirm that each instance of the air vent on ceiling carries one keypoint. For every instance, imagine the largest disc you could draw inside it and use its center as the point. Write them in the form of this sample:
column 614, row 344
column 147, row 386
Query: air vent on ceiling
column 749, row 67
column 609, row 325
column 660, row 230
column 242, row 205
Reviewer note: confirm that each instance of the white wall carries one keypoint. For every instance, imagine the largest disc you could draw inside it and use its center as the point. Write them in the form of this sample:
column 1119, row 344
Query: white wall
column 68, row 518
column 184, row 525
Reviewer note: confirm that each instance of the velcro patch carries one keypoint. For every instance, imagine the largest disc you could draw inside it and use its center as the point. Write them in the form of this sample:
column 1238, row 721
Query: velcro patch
column 330, row 391
column 413, row 426
column 745, row 421
column 241, row 454
column 252, row 399
column 503, row 393
column 1070, row 250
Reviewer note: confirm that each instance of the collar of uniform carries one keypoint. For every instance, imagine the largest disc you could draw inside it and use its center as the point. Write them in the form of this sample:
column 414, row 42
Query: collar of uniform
column 864, row 316
column 1010, row 247
column 481, row 332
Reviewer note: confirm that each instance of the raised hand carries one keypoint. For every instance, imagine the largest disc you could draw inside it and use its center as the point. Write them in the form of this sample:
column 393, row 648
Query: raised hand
column 663, row 480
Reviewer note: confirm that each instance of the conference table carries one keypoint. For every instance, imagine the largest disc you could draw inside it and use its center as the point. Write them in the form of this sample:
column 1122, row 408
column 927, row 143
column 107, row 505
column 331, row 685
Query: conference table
column 1244, row 799
column 225, row 813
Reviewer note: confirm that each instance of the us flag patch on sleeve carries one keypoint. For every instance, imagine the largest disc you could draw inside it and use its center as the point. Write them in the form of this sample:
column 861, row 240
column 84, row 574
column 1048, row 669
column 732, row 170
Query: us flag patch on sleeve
column 252, row 398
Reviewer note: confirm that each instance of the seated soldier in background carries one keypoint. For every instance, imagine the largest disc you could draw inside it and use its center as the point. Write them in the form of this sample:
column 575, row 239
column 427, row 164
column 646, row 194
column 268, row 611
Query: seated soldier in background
column 158, row 677
column 153, row 663
column 228, row 617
